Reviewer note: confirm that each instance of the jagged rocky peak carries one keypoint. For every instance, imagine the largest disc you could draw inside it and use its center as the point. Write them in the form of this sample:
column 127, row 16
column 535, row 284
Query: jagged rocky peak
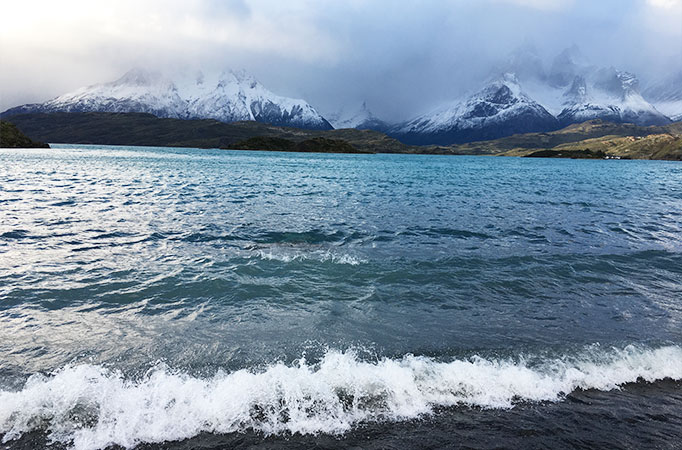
column 567, row 65
column 497, row 96
column 139, row 77
column 500, row 109
column 361, row 118
column 616, row 83
column 577, row 93
column 584, row 111
column 525, row 63
column 504, row 90
column 241, row 77
column 616, row 98
column 629, row 82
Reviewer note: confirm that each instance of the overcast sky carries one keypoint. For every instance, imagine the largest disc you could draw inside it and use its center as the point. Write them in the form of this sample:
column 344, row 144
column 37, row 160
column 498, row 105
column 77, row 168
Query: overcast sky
column 402, row 57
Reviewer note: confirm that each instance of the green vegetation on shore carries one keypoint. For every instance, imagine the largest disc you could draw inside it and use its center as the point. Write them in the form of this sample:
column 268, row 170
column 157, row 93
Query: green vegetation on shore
column 12, row 137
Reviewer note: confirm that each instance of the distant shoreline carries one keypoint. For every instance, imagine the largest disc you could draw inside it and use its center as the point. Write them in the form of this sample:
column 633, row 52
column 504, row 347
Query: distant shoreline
column 589, row 140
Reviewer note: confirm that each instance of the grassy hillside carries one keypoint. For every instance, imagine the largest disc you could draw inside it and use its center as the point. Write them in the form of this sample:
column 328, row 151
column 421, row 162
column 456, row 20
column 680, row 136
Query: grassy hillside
column 12, row 137
column 654, row 146
column 613, row 140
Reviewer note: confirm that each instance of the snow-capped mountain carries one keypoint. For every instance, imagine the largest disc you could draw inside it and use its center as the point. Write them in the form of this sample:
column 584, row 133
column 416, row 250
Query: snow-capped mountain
column 571, row 91
column 579, row 108
column 228, row 97
column 361, row 119
column 576, row 90
column 499, row 109
column 529, row 97
column 613, row 96
column 136, row 91
column 666, row 95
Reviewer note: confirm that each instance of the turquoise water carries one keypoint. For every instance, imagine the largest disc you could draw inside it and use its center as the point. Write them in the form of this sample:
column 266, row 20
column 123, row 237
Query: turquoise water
column 314, row 293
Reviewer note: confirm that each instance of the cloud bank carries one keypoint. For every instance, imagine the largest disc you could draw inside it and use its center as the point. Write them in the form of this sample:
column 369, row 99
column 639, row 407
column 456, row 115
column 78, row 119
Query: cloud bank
column 402, row 57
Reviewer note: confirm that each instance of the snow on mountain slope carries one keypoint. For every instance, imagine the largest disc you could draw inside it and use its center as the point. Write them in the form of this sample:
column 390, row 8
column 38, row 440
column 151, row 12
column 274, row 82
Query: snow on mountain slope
column 572, row 91
column 136, row 91
column 228, row 97
column 234, row 96
column 613, row 96
column 576, row 91
column 671, row 109
column 362, row 119
column 500, row 109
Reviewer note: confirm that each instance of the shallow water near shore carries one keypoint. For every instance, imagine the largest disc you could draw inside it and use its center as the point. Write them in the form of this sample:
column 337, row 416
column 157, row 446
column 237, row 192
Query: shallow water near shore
column 233, row 299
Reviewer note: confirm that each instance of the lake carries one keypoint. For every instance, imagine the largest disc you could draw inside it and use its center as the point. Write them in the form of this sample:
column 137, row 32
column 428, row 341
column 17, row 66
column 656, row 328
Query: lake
column 231, row 299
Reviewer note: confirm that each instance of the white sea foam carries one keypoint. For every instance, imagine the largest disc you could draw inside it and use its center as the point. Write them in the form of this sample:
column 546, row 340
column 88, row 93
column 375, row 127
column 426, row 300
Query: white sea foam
column 321, row 256
column 90, row 407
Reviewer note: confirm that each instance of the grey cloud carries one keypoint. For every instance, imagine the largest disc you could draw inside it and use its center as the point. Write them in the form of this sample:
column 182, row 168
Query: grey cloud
column 402, row 57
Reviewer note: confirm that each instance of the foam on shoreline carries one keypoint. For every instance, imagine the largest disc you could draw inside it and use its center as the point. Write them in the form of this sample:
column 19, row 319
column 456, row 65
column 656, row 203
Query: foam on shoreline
column 91, row 407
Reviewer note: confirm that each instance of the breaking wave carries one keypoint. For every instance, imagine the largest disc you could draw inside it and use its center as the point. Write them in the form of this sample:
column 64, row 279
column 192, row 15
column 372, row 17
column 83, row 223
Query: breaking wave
column 92, row 407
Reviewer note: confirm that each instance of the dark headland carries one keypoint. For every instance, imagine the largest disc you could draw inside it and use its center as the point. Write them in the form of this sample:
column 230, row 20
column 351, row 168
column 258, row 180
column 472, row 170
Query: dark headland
column 12, row 137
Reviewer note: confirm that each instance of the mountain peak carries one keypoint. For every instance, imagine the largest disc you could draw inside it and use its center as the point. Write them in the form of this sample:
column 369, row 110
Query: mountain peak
column 510, row 80
column 139, row 76
column 629, row 82
column 615, row 98
column 361, row 119
column 573, row 54
column 617, row 83
column 567, row 65
column 243, row 77
column 525, row 63
column 577, row 93
column 500, row 108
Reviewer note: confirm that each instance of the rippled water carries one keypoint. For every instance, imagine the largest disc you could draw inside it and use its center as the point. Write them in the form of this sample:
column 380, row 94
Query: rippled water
column 149, row 294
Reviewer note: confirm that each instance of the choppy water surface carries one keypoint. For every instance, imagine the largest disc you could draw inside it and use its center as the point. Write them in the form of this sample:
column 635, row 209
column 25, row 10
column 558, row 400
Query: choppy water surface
column 251, row 298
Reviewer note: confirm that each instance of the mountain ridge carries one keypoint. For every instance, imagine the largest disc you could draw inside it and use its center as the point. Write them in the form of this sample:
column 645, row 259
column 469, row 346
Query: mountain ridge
column 231, row 96
column 529, row 96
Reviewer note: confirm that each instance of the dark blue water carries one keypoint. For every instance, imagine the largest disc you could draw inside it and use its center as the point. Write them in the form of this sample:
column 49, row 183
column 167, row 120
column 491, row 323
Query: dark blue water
column 280, row 299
